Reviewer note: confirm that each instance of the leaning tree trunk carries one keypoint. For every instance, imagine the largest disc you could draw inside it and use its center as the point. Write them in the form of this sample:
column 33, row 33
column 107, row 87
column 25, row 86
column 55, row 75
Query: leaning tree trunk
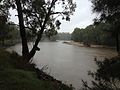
column 25, row 50
column 39, row 36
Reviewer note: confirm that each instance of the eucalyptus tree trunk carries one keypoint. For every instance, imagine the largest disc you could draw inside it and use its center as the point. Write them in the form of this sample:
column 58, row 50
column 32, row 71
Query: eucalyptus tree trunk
column 25, row 50
column 27, row 55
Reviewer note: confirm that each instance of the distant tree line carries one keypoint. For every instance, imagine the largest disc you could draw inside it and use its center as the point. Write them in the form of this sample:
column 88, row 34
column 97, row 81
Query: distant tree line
column 63, row 36
column 100, row 34
column 37, row 16
column 56, row 36
column 107, row 76
column 9, row 33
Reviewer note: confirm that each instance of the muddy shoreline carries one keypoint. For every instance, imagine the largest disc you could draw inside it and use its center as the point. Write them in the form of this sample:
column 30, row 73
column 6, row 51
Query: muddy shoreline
column 80, row 44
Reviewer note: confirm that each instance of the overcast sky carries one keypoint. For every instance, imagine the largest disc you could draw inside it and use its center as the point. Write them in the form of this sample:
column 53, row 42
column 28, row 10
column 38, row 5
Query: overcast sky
column 82, row 17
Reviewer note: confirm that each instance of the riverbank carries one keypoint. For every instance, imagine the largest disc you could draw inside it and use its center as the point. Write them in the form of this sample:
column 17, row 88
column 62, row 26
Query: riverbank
column 15, row 74
column 9, row 43
column 82, row 45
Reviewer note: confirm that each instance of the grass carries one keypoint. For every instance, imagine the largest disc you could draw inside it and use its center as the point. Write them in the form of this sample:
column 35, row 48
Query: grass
column 15, row 75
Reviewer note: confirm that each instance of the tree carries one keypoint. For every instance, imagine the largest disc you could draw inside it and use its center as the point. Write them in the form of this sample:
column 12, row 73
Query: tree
column 38, row 16
column 106, row 77
column 94, row 34
column 109, row 11
column 77, row 35
column 4, row 32
column 63, row 36
column 8, row 34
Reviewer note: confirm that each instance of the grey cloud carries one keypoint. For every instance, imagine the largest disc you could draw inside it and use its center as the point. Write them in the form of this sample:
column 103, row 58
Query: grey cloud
column 81, row 18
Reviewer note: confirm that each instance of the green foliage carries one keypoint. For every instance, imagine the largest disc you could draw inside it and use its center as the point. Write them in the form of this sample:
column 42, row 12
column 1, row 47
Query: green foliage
column 50, row 33
column 63, row 36
column 109, row 11
column 4, row 33
column 8, row 34
column 107, row 76
column 39, row 16
column 94, row 34
column 22, row 80
column 15, row 74
column 77, row 34
column 36, row 14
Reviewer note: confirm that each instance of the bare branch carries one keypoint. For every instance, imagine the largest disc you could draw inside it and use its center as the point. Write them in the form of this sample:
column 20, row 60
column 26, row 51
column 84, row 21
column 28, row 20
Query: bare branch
column 56, row 13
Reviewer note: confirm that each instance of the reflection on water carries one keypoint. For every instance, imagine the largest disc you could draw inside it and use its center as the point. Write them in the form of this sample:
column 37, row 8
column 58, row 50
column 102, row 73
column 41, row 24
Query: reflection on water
column 67, row 62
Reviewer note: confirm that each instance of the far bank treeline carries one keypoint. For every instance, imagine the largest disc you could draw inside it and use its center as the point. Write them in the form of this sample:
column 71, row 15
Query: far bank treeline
column 9, row 34
column 100, row 34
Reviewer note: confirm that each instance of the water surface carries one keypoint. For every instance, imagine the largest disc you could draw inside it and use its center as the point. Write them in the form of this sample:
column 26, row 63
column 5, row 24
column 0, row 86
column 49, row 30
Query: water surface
column 68, row 63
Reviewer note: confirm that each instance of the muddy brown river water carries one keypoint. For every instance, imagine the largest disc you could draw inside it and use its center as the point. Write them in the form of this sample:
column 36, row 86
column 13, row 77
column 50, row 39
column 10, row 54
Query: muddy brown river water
column 68, row 63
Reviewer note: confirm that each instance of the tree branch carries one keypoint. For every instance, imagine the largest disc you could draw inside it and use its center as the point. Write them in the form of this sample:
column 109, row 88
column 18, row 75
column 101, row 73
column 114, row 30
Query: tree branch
column 38, row 19
column 39, row 36
column 57, row 13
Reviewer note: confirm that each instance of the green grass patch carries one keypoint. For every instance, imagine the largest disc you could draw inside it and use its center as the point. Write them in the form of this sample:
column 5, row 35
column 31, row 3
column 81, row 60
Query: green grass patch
column 11, row 79
column 16, row 75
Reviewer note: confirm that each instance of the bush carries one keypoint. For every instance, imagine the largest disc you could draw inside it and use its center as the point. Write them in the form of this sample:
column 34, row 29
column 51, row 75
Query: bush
column 107, row 76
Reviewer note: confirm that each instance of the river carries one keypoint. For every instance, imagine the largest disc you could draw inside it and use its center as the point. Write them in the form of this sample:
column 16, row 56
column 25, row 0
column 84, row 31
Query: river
column 68, row 63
